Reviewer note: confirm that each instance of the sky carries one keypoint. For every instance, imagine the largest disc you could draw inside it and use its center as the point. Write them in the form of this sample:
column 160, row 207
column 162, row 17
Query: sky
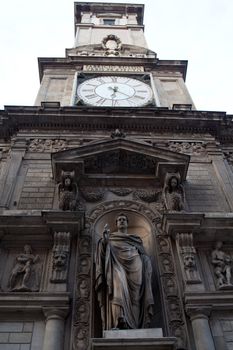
column 200, row 31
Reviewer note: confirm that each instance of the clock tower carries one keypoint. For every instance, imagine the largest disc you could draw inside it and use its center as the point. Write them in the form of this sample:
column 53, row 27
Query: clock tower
column 116, row 201
column 110, row 64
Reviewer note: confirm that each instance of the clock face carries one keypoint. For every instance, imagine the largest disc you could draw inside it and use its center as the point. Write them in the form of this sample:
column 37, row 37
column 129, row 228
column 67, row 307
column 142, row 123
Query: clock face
column 114, row 91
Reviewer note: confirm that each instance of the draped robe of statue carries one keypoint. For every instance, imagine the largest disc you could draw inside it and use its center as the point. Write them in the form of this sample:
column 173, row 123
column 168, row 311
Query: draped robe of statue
column 123, row 282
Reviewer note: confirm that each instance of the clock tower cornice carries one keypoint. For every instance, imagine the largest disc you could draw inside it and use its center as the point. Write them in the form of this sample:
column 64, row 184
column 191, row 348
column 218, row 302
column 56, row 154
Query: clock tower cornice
column 76, row 63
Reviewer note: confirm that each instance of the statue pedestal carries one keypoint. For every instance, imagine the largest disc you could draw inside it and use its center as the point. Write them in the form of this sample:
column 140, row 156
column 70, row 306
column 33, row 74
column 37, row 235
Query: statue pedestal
column 144, row 333
column 134, row 339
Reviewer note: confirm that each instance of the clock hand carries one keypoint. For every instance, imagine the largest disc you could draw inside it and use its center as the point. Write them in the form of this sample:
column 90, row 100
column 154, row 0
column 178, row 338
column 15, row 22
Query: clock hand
column 119, row 92
column 115, row 88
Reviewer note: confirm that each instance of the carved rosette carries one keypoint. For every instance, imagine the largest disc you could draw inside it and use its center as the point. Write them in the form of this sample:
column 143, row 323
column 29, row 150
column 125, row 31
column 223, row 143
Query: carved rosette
column 81, row 319
column 173, row 303
column 61, row 253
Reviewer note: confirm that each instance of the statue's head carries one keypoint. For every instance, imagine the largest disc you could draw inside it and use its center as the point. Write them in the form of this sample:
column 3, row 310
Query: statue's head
column 218, row 245
column 67, row 177
column 27, row 249
column 122, row 221
column 173, row 182
column 189, row 261
column 67, row 181
column 60, row 258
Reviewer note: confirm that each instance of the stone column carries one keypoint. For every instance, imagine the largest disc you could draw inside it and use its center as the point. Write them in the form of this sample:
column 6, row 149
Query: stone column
column 54, row 329
column 201, row 329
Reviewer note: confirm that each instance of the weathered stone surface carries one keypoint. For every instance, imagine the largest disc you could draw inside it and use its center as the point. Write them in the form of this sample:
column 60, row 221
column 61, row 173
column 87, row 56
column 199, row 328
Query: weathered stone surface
column 134, row 333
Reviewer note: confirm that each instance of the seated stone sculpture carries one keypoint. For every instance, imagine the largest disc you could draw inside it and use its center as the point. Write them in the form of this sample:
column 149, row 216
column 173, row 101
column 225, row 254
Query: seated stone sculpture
column 222, row 266
column 123, row 279
column 23, row 276
column 67, row 191
column 173, row 192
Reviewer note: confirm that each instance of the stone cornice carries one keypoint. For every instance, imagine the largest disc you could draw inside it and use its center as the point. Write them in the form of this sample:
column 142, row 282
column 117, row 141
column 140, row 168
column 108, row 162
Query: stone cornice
column 33, row 302
column 82, row 118
column 214, row 300
column 77, row 62
column 206, row 227
column 19, row 223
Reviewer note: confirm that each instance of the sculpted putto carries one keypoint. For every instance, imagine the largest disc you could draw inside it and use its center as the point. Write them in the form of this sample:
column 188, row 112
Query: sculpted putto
column 123, row 279
column 222, row 266
column 173, row 192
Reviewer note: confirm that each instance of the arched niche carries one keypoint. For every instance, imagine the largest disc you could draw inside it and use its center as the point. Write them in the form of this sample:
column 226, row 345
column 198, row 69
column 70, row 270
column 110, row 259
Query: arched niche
column 140, row 222
column 137, row 224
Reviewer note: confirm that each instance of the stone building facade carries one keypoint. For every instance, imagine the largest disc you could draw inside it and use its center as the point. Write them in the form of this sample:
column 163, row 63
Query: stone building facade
column 114, row 130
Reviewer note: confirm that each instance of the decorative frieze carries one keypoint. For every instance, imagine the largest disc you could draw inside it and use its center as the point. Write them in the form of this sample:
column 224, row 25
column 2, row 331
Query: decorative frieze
column 113, row 68
column 172, row 301
column 192, row 148
column 81, row 317
column 47, row 145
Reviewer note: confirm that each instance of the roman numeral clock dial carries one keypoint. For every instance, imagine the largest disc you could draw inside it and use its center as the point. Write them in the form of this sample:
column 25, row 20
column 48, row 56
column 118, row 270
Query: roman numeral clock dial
column 114, row 91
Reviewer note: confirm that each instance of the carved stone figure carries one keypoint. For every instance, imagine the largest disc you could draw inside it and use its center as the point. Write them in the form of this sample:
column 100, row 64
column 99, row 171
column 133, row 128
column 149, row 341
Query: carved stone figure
column 84, row 289
column 81, row 341
column 123, row 279
column 61, row 250
column 173, row 192
column 67, row 191
column 187, row 254
column 85, row 265
column 222, row 266
column 24, row 275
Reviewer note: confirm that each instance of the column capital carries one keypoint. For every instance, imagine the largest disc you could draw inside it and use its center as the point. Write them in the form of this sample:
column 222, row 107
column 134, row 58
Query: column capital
column 55, row 313
column 198, row 312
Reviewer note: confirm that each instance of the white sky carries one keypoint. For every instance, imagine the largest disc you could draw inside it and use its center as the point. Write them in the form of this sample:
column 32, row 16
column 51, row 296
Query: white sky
column 200, row 31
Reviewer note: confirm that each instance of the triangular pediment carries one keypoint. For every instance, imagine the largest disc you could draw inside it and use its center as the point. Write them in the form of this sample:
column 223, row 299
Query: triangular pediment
column 119, row 157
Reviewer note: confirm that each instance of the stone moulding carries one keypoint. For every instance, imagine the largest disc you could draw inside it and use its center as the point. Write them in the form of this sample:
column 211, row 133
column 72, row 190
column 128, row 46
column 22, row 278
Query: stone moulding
column 143, row 119
column 118, row 157
column 166, row 343
column 33, row 301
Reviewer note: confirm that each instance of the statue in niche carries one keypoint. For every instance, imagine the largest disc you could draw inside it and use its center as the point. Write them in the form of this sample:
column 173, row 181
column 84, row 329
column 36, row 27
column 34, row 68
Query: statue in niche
column 222, row 266
column 24, row 276
column 123, row 279
column 67, row 191
column 173, row 192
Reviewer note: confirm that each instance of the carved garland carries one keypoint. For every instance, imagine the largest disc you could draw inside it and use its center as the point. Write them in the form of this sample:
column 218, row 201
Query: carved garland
column 81, row 320
column 173, row 303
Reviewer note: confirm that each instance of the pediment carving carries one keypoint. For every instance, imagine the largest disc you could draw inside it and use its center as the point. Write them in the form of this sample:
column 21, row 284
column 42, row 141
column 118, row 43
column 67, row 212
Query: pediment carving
column 119, row 158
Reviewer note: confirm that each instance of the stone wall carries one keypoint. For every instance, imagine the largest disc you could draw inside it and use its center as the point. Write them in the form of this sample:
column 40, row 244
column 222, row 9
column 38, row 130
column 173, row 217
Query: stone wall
column 21, row 335
column 38, row 187
column 203, row 192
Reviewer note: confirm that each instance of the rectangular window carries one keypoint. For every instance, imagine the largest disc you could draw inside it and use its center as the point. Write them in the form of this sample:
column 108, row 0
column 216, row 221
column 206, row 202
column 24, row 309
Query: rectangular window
column 109, row 22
